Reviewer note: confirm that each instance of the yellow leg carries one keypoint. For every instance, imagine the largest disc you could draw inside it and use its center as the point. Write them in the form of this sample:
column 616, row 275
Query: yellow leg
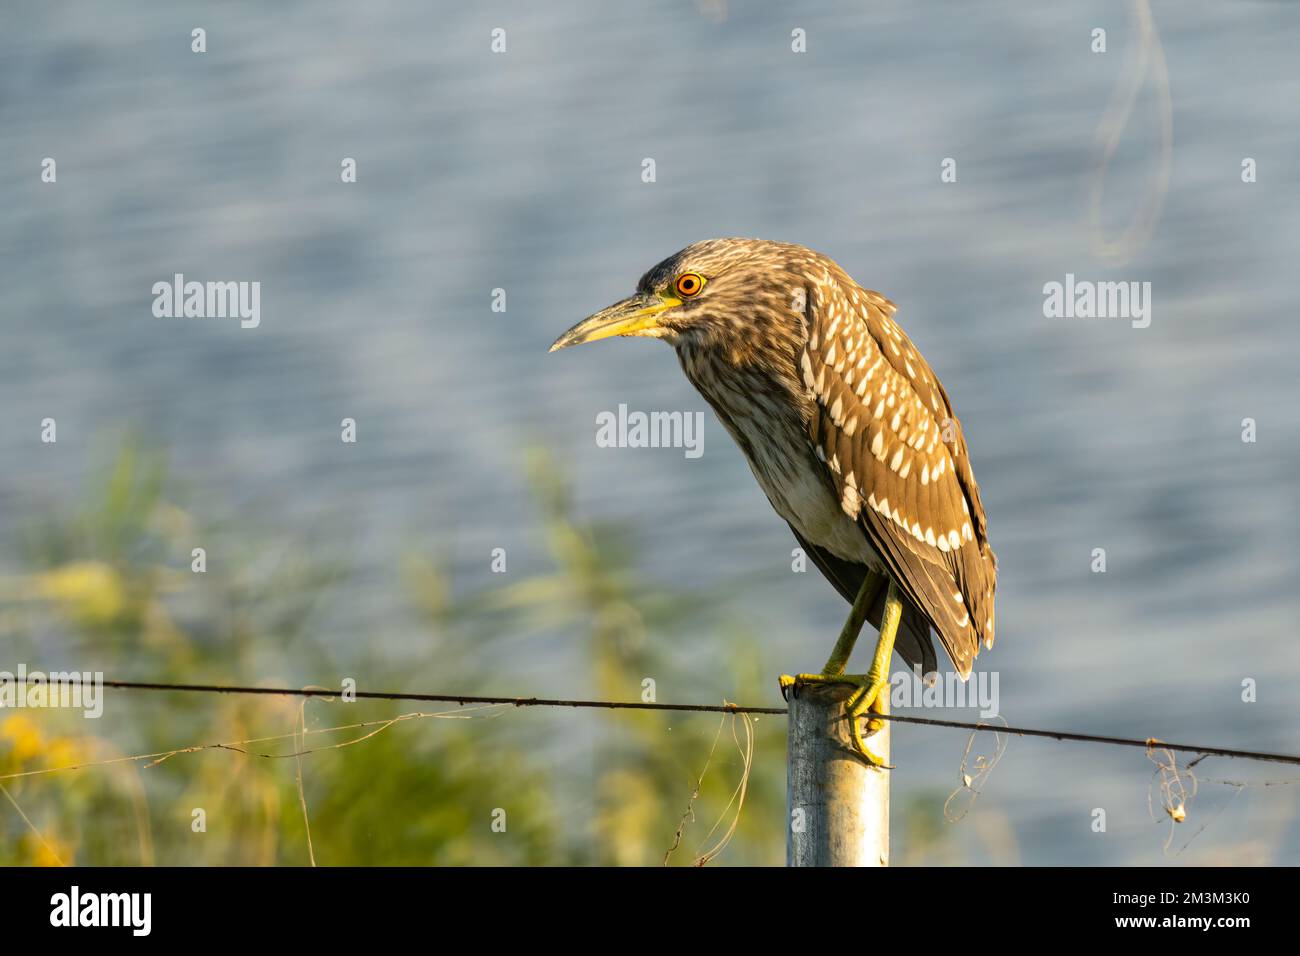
column 871, row 694
column 839, row 659
column 874, row 694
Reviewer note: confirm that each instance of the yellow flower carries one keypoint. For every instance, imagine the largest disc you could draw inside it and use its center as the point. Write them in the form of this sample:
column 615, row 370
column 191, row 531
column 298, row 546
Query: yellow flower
column 24, row 734
column 64, row 752
column 47, row 851
column 45, row 856
column 90, row 590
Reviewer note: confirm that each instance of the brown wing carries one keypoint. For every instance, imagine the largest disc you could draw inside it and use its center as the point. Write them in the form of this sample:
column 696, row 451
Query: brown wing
column 887, row 432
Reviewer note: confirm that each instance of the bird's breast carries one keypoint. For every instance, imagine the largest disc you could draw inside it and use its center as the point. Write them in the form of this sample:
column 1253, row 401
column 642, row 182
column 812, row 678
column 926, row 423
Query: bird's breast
column 803, row 497
column 768, row 426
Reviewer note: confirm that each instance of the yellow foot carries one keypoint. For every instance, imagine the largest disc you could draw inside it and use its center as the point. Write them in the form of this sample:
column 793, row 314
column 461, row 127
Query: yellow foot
column 870, row 695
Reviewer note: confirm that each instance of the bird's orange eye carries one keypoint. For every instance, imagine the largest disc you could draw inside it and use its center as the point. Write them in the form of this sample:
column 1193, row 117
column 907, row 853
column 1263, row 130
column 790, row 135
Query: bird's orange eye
column 689, row 284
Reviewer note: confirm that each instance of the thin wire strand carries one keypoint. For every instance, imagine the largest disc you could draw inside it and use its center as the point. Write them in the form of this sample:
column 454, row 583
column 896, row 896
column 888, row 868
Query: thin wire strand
column 299, row 745
column 446, row 698
column 238, row 746
column 31, row 826
column 462, row 699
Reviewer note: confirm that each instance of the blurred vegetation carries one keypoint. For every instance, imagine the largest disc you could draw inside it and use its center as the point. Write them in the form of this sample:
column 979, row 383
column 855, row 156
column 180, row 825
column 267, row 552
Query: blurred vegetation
column 110, row 587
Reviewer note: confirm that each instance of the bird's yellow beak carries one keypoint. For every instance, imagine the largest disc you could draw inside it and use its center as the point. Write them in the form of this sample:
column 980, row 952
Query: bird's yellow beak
column 633, row 316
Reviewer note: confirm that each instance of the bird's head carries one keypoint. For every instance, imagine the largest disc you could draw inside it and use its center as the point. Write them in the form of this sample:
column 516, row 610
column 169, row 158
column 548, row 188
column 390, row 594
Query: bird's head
column 720, row 293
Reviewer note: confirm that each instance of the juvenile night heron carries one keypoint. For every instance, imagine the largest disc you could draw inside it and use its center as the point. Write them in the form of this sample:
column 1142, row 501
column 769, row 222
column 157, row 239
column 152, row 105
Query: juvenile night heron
column 848, row 432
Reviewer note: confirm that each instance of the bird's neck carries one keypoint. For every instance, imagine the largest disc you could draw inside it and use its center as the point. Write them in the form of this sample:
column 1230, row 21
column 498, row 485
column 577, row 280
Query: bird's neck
column 753, row 405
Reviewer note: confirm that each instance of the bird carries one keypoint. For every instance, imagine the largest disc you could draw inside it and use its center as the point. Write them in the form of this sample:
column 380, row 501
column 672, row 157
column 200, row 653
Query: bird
column 850, row 435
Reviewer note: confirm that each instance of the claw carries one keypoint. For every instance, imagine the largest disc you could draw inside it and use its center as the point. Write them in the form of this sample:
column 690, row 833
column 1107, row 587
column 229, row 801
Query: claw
column 865, row 752
column 787, row 683
column 874, row 700
column 870, row 695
